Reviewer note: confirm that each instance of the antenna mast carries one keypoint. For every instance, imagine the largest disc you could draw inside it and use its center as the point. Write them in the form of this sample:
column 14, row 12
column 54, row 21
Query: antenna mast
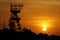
column 14, row 19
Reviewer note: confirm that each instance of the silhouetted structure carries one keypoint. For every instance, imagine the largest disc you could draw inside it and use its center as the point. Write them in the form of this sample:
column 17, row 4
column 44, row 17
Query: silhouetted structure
column 15, row 9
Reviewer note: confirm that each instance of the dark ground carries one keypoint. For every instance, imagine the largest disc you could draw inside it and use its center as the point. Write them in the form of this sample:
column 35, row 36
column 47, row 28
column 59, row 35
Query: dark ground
column 25, row 35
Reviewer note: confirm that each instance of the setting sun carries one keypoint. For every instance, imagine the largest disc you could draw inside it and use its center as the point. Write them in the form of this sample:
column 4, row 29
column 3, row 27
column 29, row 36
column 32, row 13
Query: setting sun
column 45, row 24
column 44, row 29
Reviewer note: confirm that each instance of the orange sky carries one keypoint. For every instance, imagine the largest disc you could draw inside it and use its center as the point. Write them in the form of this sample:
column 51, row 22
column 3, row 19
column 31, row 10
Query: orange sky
column 34, row 14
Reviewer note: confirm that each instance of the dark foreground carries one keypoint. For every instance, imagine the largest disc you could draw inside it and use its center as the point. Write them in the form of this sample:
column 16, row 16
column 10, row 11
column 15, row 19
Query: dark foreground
column 25, row 35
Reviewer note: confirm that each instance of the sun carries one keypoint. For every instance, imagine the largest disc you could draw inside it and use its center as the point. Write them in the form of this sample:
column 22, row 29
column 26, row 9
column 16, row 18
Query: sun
column 44, row 29
column 45, row 24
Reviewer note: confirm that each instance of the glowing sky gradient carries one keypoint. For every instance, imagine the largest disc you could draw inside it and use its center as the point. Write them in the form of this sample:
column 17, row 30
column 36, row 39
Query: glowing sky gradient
column 35, row 13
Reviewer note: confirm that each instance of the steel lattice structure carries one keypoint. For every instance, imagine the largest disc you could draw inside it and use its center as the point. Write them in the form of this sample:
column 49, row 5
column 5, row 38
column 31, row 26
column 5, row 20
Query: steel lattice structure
column 14, row 19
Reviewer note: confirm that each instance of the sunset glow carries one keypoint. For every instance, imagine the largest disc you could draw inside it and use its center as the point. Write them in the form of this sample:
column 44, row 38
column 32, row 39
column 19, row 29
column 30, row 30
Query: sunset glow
column 45, row 23
column 36, row 15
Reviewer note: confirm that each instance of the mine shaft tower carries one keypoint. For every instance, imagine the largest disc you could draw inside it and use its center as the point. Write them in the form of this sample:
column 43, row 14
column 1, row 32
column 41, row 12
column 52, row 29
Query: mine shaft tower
column 14, row 19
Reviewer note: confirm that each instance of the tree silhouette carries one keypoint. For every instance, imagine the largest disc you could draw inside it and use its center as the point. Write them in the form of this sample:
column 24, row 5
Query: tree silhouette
column 28, row 35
